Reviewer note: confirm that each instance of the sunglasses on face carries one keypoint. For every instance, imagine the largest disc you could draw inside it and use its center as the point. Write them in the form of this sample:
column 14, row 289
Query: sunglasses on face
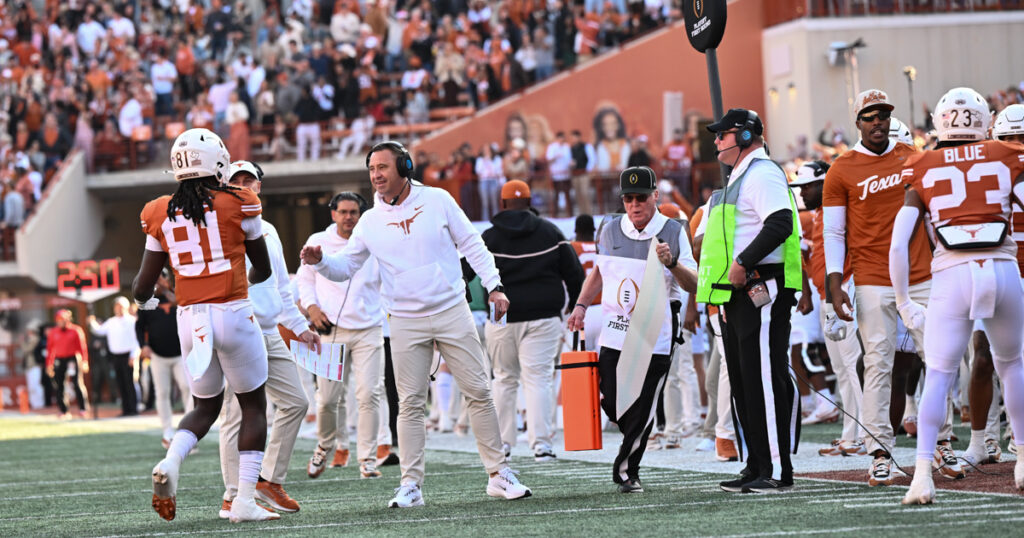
column 881, row 115
column 630, row 198
column 721, row 134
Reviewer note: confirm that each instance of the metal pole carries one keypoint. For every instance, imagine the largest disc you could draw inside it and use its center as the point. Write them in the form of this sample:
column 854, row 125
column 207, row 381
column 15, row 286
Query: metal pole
column 910, row 86
column 715, row 85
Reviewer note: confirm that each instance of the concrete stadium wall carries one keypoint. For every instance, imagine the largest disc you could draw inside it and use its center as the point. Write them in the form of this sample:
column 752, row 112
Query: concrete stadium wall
column 984, row 51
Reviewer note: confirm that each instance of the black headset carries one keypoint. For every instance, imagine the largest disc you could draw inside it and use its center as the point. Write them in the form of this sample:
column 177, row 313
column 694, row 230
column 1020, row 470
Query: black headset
column 403, row 161
column 350, row 196
column 745, row 136
column 820, row 168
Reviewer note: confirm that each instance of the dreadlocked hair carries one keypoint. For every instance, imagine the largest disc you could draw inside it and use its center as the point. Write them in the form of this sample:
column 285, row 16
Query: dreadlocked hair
column 193, row 194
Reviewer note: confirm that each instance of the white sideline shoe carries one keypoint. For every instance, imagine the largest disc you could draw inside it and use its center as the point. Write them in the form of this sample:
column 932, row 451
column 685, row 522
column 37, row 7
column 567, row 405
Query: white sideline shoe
column 506, row 484
column 406, row 496
column 248, row 510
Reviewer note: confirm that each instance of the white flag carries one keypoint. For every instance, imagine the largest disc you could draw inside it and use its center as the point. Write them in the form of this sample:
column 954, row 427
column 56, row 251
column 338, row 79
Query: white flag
column 642, row 334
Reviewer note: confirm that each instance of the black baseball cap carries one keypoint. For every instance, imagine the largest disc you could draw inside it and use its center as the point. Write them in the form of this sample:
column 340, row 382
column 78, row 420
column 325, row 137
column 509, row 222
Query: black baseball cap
column 638, row 180
column 736, row 118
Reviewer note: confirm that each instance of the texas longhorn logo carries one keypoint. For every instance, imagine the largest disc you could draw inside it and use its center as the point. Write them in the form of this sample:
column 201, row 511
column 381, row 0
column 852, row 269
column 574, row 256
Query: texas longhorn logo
column 407, row 223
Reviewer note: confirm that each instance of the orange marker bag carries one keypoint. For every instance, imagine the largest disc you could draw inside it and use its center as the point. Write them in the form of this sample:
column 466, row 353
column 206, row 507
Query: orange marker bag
column 581, row 397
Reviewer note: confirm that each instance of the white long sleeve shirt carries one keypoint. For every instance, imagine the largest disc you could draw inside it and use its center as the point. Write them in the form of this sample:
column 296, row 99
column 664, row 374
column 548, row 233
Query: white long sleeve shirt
column 120, row 333
column 272, row 299
column 417, row 244
column 349, row 306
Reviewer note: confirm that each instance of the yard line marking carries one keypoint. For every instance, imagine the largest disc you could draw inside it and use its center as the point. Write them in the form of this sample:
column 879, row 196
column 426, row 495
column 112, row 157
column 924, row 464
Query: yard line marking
column 942, row 507
column 1010, row 512
column 859, row 529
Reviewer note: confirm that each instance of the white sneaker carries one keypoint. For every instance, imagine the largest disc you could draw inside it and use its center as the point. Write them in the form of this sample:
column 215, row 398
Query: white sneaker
column 506, row 484
column 318, row 462
column 507, row 450
column 368, row 469
column 706, row 445
column 544, row 454
column 248, row 510
column 922, row 488
column 407, row 495
column 1018, row 474
column 165, row 486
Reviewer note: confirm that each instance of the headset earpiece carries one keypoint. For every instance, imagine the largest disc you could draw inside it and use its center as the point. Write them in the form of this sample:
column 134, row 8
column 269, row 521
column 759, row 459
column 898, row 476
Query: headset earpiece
column 403, row 161
column 745, row 137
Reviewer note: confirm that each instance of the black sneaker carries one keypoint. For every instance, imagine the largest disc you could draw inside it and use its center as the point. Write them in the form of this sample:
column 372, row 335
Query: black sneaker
column 392, row 459
column 736, row 485
column 543, row 456
column 631, row 486
column 767, row 485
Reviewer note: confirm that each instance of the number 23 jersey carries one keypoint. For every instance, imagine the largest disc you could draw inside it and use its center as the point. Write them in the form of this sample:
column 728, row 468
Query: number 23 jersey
column 964, row 185
column 208, row 261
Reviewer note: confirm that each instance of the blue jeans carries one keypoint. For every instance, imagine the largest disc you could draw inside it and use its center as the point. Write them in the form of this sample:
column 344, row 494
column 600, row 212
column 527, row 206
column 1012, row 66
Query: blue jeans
column 489, row 189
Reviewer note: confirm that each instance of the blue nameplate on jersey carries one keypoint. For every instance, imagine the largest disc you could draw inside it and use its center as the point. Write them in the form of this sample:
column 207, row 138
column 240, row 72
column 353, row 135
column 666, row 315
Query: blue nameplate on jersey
column 972, row 236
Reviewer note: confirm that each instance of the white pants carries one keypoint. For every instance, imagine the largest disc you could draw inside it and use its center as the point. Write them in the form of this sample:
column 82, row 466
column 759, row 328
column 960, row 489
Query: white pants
column 239, row 353
column 165, row 371
column 365, row 362
column 284, row 392
column 525, row 351
column 307, row 135
column 351, row 144
column 682, row 395
column 844, row 355
column 724, row 427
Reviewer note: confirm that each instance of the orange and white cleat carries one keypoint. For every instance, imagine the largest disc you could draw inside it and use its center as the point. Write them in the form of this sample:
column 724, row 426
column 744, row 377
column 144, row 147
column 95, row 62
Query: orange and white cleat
column 165, row 485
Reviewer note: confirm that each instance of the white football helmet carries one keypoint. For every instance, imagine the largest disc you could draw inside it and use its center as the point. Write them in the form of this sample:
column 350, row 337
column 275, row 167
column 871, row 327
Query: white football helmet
column 200, row 153
column 1009, row 122
column 899, row 132
column 962, row 115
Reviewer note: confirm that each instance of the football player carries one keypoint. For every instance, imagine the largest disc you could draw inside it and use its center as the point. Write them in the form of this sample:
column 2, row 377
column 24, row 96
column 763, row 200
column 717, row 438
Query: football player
column 963, row 190
column 205, row 230
column 984, row 409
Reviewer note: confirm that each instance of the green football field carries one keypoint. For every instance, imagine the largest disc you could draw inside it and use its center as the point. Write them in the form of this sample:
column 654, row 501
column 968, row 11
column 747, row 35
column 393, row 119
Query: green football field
column 86, row 478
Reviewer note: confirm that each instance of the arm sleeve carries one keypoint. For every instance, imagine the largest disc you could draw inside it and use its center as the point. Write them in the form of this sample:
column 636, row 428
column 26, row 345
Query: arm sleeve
column 899, row 252
column 774, row 232
column 98, row 329
column 305, row 283
column 468, row 241
column 834, row 223
column 140, row 330
column 341, row 266
column 82, row 347
column 153, row 244
column 49, row 348
column 571, row 269
column 290, row 317
column 686, row 251
column 253, row 227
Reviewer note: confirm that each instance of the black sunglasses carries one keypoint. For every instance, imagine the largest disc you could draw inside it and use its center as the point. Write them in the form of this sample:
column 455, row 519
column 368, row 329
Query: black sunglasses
column 630, row 198
column 721, row 134
column 880, row 115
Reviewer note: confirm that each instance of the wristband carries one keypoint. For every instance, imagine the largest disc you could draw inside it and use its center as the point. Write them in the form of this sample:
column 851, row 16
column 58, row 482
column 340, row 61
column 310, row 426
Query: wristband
column 581, row 305
column 673, row 263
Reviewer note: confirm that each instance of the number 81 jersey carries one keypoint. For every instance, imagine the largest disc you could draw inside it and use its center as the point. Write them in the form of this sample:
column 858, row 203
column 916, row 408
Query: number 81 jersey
column 208, row 261
column 967, row 185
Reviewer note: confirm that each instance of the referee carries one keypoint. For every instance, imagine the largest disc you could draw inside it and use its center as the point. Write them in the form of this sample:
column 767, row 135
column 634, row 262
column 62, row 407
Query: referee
column 750, row 264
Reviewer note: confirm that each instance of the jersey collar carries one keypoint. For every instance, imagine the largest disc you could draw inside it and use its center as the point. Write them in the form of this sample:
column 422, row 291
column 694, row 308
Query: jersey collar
column 652, row 229
column 740, row 168
column 859, row 146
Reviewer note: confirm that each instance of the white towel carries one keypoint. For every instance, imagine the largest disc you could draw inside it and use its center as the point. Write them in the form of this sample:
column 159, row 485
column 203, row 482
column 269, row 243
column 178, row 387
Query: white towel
column 198, row 360
column 983, row 289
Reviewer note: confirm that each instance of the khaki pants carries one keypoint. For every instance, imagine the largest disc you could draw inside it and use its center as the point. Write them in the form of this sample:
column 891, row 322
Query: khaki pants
column 583, row 193
column 412, row 351
column 844, row 355
column 167, row 370
column 525, row 351
column 284, row 391
column 364, row 361
column 875, row 309
column 682, row 395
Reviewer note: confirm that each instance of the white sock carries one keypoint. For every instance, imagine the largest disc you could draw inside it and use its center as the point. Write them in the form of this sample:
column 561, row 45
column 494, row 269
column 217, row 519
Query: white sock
column 924, row 467
column 182, row 443
column 248, row 472
column 911, row 409
column 824, row 397
column 977, row 441
column 807, row 402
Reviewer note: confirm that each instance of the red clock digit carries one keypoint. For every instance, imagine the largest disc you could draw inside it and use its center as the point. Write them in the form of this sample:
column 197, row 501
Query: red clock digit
column 110, row 275
column 66, row 282
column 87, row 270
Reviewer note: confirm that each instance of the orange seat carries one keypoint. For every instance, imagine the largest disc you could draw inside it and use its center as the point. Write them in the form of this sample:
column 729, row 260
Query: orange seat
column 172, row 130
column 142, row 133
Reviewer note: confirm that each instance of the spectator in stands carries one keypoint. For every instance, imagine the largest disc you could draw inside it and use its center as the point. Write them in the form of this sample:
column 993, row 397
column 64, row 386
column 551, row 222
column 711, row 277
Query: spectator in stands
column 361, row 131
column 490, row 173
column 344, row 24
column 54, row 141
column 559, row 158
column 417, row 107
column 91, row 36
column 13, row 217
column 307, row 134
column 515, row 164
column 84, row 137
column 639, row 155
column 676, row 161
column 237, row 118
column 582, row 161
column 201, row 114
column 450, row 72
column 219, row 96
column 163, row 74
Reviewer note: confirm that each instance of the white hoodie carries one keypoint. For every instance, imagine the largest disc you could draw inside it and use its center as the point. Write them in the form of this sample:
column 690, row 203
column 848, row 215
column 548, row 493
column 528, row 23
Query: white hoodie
column 417, row 244
column 272, row 300
column 354, row 305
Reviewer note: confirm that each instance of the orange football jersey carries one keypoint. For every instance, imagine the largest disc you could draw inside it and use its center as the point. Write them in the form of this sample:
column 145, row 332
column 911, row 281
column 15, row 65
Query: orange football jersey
column 816, row 269
column 963, row 185
column 209, row 261
column 586, row 251
column 1017, row 225
column 871, row 190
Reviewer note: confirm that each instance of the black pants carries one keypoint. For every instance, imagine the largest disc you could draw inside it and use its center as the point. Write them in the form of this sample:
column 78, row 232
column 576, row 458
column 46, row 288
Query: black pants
column 636, row 423
column 764, row 403
column 391, row 390
column 60, row 373
column 125, row 384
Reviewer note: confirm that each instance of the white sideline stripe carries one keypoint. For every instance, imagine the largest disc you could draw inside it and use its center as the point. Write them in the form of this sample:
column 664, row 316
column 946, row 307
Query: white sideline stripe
column 844, row 497
column 1011, row 512
column 835, row 530
column 942, row 507
column 864, row 484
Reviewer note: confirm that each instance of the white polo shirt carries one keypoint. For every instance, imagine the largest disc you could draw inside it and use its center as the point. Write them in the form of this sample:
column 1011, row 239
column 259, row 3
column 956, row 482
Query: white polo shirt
column 764, row 191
